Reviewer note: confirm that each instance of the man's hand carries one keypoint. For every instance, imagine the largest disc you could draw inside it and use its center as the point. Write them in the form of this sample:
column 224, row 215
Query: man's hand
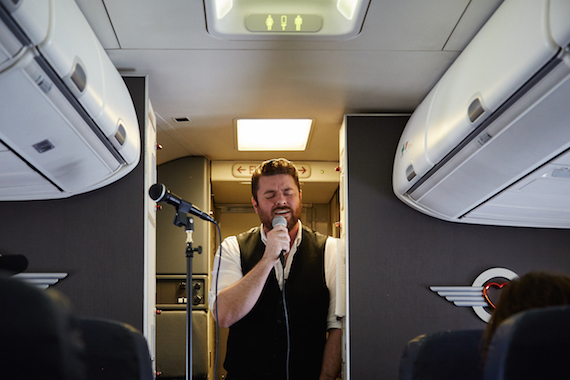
column 278, row 240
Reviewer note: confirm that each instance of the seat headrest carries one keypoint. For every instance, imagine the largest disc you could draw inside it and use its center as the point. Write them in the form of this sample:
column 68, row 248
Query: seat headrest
column 114, row 351
column 443, row 355
column 534, row 344
column 13, row 264
column 39, row 337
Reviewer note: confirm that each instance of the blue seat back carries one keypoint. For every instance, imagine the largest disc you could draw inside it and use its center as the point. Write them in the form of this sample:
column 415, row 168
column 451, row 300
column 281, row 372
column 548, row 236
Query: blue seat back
column 534, row 344
column 39, row 337
column 114, row 351
column 447, row 355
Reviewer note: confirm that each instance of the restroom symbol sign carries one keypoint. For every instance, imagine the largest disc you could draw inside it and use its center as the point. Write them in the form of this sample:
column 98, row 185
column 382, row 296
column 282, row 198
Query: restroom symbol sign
column 269, row 22
column 284, row 23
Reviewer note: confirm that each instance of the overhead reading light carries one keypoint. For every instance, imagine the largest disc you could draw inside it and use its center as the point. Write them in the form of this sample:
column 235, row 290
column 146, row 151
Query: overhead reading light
column 285, row 19
column 273, row 134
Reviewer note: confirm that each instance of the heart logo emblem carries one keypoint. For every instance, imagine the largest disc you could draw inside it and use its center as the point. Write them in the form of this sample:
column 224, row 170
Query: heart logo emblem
column 486, row 291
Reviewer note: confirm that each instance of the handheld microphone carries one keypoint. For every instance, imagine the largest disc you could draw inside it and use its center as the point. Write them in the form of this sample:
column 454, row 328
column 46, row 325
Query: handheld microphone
column 280, row 221
column 159, row 193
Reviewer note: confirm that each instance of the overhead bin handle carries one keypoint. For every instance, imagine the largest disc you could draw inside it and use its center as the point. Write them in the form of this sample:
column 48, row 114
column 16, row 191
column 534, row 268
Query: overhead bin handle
column 410, row 173
column 475, row 110
column 78, row 77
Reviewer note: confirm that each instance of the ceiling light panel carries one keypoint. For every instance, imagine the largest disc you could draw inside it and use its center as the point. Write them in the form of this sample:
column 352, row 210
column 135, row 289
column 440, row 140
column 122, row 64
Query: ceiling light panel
column 285, row 19
column 273, row 134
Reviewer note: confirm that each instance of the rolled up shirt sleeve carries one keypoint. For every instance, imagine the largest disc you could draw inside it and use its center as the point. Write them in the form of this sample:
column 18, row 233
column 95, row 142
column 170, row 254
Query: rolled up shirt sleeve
column 228, row 261
column 331, row 281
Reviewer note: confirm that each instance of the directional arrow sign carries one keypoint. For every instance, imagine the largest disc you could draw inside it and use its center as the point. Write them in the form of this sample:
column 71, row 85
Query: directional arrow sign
column 243, row 169
column 304, row 170
column 246, row 169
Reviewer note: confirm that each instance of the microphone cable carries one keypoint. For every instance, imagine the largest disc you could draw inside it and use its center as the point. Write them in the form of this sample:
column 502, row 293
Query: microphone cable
column 217, row 358
column 286, row 312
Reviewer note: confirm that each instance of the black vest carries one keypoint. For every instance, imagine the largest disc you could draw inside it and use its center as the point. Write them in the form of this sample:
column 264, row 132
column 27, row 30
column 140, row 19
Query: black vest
column 257, row 344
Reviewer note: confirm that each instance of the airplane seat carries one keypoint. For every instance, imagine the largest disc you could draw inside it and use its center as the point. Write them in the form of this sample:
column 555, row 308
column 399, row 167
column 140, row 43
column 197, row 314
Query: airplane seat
column 114, row 351
column 534, row 344
column 39, row 335
column 444, row 355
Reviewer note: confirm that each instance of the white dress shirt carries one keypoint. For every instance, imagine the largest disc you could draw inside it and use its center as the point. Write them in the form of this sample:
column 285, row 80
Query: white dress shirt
column 230, row 270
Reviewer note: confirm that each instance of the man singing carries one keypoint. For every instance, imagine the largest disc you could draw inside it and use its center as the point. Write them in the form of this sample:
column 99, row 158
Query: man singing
column 276, row 288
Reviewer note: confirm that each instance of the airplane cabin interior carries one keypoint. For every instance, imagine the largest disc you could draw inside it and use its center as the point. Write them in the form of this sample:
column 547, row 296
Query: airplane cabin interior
column 431, row 147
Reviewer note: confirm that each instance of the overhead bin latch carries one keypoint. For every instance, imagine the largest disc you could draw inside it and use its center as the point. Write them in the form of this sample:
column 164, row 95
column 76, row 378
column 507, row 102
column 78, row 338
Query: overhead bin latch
column 475, row 110
column 410, row 173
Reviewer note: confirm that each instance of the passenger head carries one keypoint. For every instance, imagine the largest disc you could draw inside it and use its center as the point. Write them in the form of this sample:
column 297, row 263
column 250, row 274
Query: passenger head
column 273, row 167
column 531, row 291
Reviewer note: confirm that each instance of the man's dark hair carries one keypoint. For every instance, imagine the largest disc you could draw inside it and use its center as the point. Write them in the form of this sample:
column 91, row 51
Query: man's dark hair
column 273, row 167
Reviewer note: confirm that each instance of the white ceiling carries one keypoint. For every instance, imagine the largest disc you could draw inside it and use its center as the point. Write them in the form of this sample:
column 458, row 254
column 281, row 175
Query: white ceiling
column 404, row 48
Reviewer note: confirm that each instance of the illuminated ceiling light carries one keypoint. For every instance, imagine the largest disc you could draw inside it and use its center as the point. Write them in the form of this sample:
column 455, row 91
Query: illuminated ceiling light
column 348, row 7
column 327, row 20
column 222, row 7
column 273, row 134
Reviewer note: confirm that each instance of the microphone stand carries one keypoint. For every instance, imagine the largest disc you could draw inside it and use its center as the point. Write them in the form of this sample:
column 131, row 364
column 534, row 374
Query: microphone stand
column 181, row 219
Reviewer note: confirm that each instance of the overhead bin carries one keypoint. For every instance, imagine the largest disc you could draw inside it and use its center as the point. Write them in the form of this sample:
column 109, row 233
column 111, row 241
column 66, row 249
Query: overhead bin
column 66, row 112
column 497, row 120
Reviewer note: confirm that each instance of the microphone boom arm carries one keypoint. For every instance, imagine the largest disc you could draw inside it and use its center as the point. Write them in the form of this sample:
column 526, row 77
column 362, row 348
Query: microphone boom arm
column 159, row 193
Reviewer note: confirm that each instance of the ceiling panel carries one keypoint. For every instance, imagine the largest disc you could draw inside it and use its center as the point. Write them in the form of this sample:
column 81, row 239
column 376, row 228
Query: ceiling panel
column 213, row 87
column 404, row 48
column 98, row 18
column 472, row 20
column 180, row 24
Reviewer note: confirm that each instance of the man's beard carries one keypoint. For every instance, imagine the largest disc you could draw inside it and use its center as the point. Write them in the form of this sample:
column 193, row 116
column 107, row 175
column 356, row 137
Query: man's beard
column 267, row 217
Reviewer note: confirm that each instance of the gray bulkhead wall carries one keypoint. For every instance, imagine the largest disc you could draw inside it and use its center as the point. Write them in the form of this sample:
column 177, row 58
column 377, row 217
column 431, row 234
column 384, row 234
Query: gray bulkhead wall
column 189, row 179
column 397, row 253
